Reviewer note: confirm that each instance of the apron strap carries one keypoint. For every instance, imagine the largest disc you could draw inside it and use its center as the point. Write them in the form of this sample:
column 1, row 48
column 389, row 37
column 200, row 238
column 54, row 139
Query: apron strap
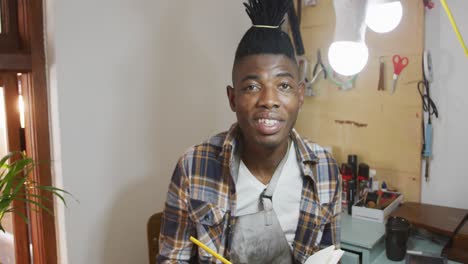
column 266, row 197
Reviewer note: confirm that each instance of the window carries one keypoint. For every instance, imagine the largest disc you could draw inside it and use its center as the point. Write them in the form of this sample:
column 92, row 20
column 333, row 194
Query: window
column 9, row 32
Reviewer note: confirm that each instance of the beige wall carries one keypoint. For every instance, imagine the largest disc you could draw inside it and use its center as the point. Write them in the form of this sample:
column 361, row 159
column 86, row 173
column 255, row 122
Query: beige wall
column 133, row 84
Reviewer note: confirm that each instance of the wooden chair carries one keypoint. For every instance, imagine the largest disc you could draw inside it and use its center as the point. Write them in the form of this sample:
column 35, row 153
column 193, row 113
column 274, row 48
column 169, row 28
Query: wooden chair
column 153, row 228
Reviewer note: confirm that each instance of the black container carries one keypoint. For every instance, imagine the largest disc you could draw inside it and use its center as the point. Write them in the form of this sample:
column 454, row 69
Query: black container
column 363, row 170
column 363, row 180
column 396, row 237
column 353, row 162
column 351, row 196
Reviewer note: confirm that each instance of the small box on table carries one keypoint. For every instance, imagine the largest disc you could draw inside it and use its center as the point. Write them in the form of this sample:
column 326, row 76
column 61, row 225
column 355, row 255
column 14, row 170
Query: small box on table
column 386, row 204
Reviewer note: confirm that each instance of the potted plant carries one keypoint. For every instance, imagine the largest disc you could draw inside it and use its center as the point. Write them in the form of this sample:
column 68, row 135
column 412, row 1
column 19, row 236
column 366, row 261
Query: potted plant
column 16, row 185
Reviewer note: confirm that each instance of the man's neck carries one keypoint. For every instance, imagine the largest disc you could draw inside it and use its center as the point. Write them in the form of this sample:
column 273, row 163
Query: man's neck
column 262, row 162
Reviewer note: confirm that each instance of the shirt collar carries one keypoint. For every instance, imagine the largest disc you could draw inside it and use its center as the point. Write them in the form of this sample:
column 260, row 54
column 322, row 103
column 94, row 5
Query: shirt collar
column 304, row 152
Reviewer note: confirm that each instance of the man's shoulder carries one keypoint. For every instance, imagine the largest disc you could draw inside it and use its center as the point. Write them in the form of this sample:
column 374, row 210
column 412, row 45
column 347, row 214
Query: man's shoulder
column 316, row 150
column 209, row 148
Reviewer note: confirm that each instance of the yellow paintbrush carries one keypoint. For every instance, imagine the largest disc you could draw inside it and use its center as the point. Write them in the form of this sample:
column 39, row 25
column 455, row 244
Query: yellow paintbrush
column 209, row 250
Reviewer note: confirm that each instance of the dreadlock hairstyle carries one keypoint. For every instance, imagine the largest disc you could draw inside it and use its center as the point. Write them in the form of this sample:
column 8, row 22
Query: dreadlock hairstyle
column 265, row 36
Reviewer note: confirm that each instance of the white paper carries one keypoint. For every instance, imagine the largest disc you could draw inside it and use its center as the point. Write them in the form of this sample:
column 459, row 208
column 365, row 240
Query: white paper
column 328, row 255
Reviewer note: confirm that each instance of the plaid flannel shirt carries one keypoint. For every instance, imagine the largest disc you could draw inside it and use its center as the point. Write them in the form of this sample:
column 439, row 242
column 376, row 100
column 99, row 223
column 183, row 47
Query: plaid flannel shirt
column 201, row 200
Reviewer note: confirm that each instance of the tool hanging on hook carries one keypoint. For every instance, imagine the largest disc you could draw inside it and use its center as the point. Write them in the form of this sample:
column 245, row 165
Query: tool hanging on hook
column 399, row 63
column 381, row 86
column 430, row 108
column 319, row 64
column 294, row 21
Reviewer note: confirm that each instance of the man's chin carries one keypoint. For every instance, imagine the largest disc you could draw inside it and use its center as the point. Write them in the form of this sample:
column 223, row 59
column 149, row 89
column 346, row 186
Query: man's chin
column 270, row 141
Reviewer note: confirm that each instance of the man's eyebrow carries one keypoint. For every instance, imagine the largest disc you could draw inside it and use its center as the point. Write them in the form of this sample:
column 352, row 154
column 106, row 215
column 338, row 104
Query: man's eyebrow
column 256, row 77
column 250, row 77
column 285, row 74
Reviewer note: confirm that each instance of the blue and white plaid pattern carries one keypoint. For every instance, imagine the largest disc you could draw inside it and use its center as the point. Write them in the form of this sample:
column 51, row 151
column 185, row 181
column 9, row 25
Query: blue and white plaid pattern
column 201, row 200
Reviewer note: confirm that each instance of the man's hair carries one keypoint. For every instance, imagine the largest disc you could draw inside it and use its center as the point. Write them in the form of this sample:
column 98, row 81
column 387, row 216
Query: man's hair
column 265, row 36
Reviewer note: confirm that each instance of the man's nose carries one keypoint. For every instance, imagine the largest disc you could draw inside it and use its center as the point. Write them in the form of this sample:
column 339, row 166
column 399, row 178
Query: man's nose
column 269, row 97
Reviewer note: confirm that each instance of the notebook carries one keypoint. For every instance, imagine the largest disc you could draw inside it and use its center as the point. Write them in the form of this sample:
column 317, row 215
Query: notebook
column 328, row 255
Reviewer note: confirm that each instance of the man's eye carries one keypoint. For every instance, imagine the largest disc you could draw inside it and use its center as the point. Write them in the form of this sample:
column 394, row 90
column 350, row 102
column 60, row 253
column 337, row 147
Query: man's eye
column 252, row 88
column 285, row 86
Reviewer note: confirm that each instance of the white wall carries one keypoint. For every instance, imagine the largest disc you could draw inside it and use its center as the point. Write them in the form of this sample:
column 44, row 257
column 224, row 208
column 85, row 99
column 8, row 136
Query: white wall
column 132, row 85
column 448, row 183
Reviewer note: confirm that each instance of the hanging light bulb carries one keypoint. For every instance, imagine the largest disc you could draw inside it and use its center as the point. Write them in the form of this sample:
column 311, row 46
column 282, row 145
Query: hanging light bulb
column 348, row 54
column 384, row 15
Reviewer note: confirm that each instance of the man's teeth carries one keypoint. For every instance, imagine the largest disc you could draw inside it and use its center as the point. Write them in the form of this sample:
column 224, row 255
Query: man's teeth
column 268, row 122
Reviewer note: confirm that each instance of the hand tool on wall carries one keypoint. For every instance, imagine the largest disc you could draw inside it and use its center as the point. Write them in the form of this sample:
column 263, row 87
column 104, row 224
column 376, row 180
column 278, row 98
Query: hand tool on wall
column 430, row 108
column 381, row 86
column 294, row 22
column 319, row 67
column 296, row 31
column 399, row 63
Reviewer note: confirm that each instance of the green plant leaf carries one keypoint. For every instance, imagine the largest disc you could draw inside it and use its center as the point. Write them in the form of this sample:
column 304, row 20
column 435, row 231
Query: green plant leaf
column 41, row 197
column 7, row 157
column 35, row 203
column 56, row 191
column 13, row 210
column 15, row 185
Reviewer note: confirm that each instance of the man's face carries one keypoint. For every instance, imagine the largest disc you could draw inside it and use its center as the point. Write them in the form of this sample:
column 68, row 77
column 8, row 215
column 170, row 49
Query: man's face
column 266, row 98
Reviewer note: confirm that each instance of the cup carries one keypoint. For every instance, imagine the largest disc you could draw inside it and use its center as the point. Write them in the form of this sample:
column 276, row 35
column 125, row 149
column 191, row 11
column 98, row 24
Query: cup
column 396, row 237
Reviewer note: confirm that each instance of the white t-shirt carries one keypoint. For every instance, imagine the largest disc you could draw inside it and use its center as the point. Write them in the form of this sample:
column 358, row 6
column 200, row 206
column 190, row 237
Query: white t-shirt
column 286, row 197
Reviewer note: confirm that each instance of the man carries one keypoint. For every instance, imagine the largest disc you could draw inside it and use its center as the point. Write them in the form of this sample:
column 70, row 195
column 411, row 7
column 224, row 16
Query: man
column 258, row 193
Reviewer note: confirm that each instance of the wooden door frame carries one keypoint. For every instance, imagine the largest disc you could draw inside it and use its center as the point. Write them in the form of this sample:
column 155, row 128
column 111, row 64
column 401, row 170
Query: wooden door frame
column 30, row 58
column 37, row 135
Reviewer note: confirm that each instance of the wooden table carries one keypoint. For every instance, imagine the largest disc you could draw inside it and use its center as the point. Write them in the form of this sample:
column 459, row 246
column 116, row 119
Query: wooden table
column 440, row 220
column 364, row 242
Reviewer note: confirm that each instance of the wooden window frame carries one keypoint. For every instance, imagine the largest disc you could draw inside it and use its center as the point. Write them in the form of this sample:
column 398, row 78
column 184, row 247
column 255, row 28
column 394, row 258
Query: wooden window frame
column 27, row 55
column 9, row 36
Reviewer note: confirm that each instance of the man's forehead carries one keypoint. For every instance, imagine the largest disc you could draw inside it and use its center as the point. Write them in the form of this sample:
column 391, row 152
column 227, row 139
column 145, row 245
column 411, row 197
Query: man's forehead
column 264, row 63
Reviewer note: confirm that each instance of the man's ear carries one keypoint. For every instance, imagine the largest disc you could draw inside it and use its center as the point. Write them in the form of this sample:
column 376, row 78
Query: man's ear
column 301, row 93
column 231, row 97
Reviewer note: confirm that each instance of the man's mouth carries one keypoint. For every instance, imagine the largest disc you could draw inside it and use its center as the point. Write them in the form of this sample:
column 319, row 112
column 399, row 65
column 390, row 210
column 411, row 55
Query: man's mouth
column 268, row 122
column 268, row 126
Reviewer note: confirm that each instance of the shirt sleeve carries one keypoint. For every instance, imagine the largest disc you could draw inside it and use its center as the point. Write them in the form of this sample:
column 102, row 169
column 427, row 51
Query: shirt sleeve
column 176, row 227
column 335, row 225
column 332, row 231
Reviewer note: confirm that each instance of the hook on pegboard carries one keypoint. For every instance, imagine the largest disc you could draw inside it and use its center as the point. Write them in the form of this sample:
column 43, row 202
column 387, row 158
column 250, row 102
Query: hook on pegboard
column 429, row 4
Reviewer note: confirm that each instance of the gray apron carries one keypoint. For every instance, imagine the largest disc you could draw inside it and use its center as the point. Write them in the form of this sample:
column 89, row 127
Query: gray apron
column 258, row 238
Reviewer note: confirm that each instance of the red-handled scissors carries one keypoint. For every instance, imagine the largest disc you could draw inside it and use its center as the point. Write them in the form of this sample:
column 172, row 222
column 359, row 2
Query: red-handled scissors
column 399, row 63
